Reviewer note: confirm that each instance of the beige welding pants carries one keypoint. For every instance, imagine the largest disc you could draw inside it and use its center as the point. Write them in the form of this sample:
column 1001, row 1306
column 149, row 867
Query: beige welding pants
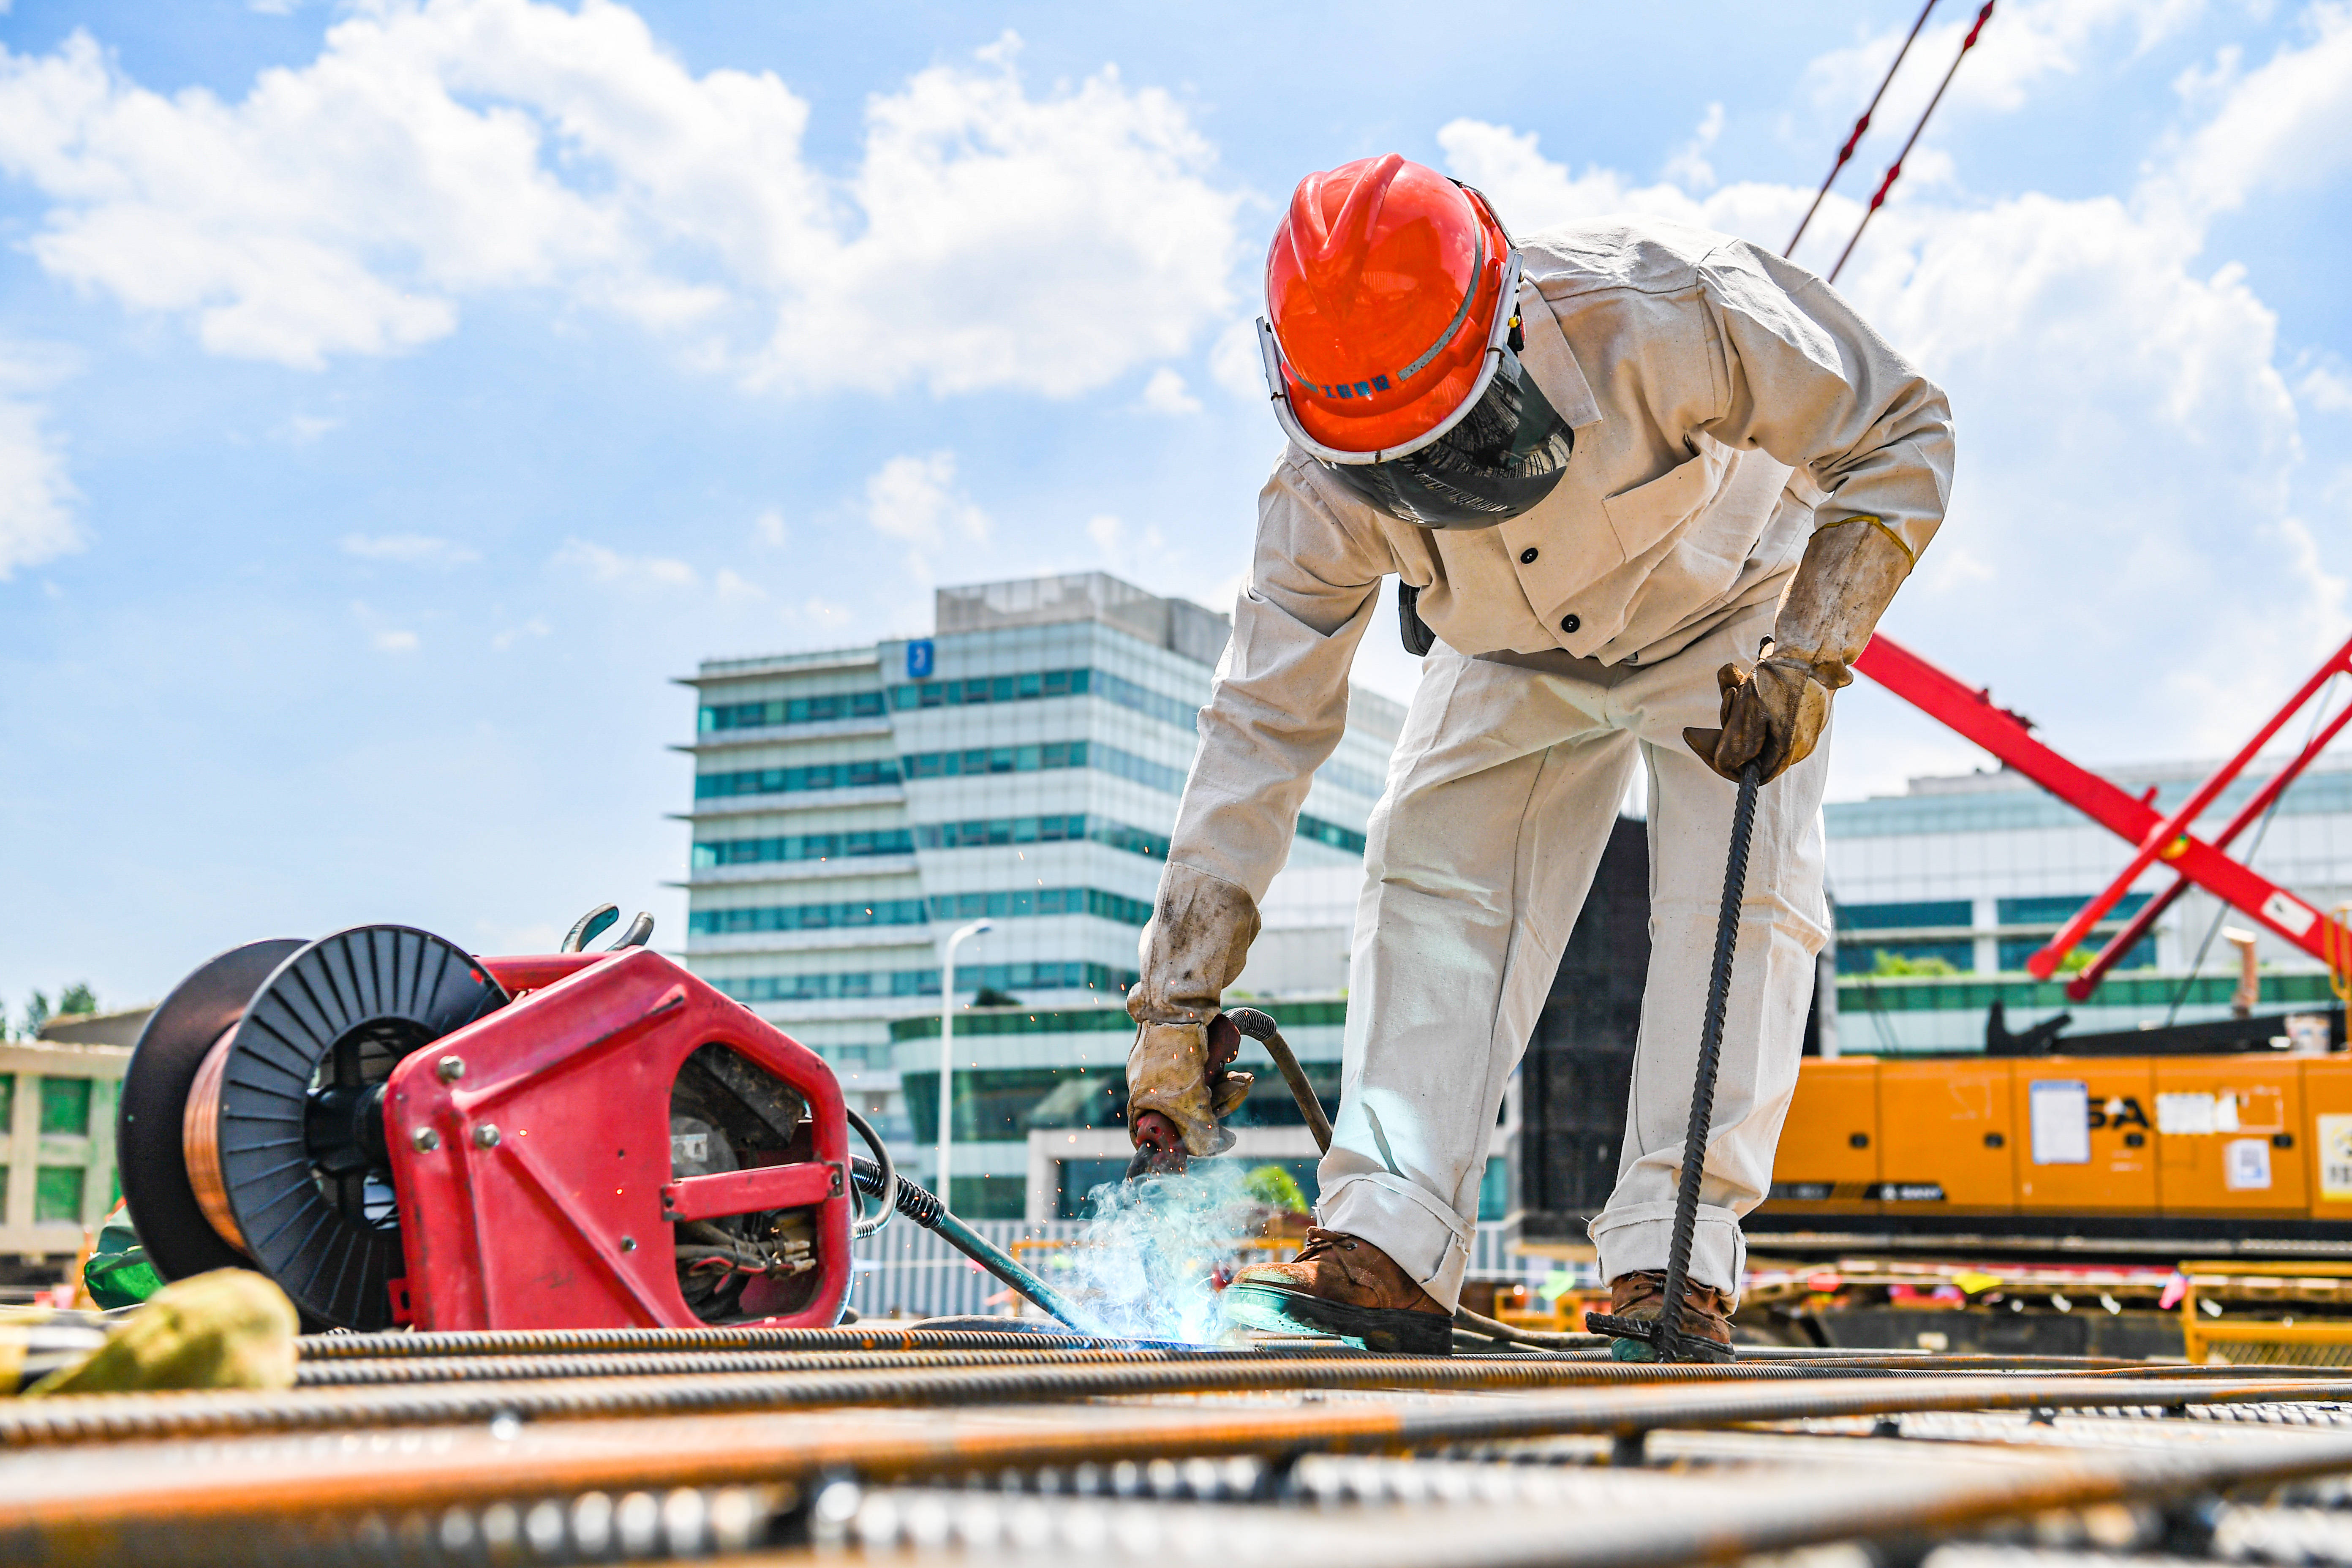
column 1500, row 801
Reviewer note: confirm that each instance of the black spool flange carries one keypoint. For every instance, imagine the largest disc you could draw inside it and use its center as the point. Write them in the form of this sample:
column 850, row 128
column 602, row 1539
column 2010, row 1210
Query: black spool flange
column 333, row 1020
column 179, row 1239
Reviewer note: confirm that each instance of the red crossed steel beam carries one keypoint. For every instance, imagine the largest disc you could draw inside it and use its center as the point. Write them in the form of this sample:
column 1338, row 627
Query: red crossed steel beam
column 2007, row 735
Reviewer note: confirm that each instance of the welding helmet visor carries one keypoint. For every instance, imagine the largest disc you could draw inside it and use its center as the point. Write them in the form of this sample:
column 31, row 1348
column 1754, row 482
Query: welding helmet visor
column 1498, row 455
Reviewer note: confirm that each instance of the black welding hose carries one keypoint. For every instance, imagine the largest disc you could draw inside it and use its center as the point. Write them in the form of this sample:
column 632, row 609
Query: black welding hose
column 924, row 1207
column 887, row 1191
column 1260, row 1027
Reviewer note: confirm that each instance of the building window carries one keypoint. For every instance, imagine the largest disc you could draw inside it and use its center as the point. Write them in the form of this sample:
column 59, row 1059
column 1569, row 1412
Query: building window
column 794, row 780
column 971, row 978
column 789, row 711
column 64, row 1108
column 1045, row 683
column 1008, row 905
column 56, row 1193
column 1895, row 917
column 2056, row 912
column 802, row 846
column 1331, row 833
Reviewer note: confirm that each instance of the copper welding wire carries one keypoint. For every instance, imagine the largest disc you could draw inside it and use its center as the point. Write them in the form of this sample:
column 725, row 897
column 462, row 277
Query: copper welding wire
column 57, row 1499
column 1738, row 1392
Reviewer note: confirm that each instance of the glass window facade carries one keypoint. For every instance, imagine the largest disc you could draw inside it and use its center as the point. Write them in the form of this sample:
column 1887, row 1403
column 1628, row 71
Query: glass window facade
column 1331, row 833
column 795, row 781
column 2016, row 950
column 1070, row 829
column 64, row 1107
column 2056, row 912
column 970, row 979
column 789, row 711
column 1905, row 916
column 802, row 846
column 1015, row 904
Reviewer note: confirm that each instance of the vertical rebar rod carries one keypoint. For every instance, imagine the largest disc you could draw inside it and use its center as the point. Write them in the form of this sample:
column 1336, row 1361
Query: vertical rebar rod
column 1668, row 1343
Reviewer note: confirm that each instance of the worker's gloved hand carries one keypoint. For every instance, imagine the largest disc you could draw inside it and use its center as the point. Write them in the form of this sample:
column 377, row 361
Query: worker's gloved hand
column 1773, row 716
column 1179, row 1089
column 1179, row 1071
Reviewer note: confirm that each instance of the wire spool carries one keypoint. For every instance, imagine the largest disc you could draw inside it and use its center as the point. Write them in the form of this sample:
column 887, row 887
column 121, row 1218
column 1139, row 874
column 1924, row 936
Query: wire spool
column 280, row 1161
column 171, row 1049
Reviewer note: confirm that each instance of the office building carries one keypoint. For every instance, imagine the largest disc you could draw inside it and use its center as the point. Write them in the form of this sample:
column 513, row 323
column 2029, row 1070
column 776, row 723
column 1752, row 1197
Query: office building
column 1021, row 764
column 1943, row 892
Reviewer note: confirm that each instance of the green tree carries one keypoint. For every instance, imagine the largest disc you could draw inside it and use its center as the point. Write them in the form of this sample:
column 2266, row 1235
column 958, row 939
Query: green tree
column 1275, row 1188
column 37, row 1013
column 77, row 997
column 1885, row 966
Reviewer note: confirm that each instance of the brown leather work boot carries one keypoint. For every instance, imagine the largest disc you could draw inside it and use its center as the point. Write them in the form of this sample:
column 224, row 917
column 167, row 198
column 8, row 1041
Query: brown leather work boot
column 1707, row 1315
column 1343, row 1285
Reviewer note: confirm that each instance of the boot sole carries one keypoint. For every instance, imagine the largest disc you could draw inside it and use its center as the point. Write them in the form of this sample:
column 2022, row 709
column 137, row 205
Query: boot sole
column 1394, row 1330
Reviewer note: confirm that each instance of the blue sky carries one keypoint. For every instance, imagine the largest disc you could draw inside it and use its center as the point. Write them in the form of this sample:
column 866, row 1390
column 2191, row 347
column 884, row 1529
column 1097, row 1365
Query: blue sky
column 393, row 398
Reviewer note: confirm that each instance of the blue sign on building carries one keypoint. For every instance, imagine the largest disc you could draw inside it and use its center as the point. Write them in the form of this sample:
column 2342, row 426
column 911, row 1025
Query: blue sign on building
column 920, row 655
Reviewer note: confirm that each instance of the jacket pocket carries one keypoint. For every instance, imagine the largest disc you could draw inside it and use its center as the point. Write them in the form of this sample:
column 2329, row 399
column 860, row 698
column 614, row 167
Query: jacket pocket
column 1648, row 512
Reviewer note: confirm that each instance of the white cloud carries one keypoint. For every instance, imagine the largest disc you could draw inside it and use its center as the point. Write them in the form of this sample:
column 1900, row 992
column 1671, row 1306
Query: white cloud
column 1235, row 363
column 770, row 528
column 534, row 628
column 36, row 498
column 395, row 642
column 441, row 151
column 733, row 586
column 2285, row 125
column 2129, row 445
column 602, row 564
column 2326, row 386
column 301, row 429
column 1688, row 167
column 914, row 498
column 408, row 548
column 1166, row 393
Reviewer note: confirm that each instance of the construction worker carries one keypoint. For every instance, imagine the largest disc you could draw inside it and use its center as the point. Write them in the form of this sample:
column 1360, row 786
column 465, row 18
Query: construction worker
column 1647, row 491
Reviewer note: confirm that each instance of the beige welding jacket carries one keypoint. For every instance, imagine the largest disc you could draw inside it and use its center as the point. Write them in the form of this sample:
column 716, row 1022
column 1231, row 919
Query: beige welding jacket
column 1725, row 404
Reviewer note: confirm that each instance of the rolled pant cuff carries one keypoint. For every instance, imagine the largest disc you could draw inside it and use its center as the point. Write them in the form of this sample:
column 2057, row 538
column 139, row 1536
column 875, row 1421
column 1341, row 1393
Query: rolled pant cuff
column 1638, row 1239
column 1421, row 1236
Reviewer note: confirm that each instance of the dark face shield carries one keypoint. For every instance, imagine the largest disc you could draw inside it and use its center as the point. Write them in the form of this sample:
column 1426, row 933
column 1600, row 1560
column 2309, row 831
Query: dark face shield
column 1502, row 459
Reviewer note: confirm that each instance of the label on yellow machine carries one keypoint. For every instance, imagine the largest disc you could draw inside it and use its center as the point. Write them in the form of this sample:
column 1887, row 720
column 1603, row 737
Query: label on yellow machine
column 2336, row 1159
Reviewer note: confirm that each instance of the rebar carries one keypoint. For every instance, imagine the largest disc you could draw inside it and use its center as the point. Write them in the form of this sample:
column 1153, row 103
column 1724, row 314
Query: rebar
column 576, row 1341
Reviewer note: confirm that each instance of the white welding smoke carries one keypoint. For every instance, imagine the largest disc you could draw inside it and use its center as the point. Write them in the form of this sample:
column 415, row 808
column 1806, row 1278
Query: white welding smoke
column 1148, row 1264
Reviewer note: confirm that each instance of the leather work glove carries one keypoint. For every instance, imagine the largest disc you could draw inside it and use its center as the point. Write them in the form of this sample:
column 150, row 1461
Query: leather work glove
column 1773, row 714
column 1179, row 1089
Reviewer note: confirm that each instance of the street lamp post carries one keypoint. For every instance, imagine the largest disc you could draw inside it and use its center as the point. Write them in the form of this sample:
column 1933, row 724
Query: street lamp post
column 947, row 1050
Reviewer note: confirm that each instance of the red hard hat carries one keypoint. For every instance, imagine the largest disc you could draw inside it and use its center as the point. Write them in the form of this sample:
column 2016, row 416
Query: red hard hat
column 1381, row 286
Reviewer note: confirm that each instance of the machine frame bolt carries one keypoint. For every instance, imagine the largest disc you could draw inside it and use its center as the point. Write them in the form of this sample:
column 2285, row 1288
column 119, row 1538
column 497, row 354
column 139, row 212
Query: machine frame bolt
column 486, row 1136
column 425, row 1139
column 629, row 1243
column 449, row 1069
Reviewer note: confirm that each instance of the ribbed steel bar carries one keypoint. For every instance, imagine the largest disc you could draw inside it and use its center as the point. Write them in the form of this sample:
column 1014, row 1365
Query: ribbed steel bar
column 354, row 1372
column 1711, row 1396
column 573, row 1341
column 120, row 1417
column 56, row 1494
